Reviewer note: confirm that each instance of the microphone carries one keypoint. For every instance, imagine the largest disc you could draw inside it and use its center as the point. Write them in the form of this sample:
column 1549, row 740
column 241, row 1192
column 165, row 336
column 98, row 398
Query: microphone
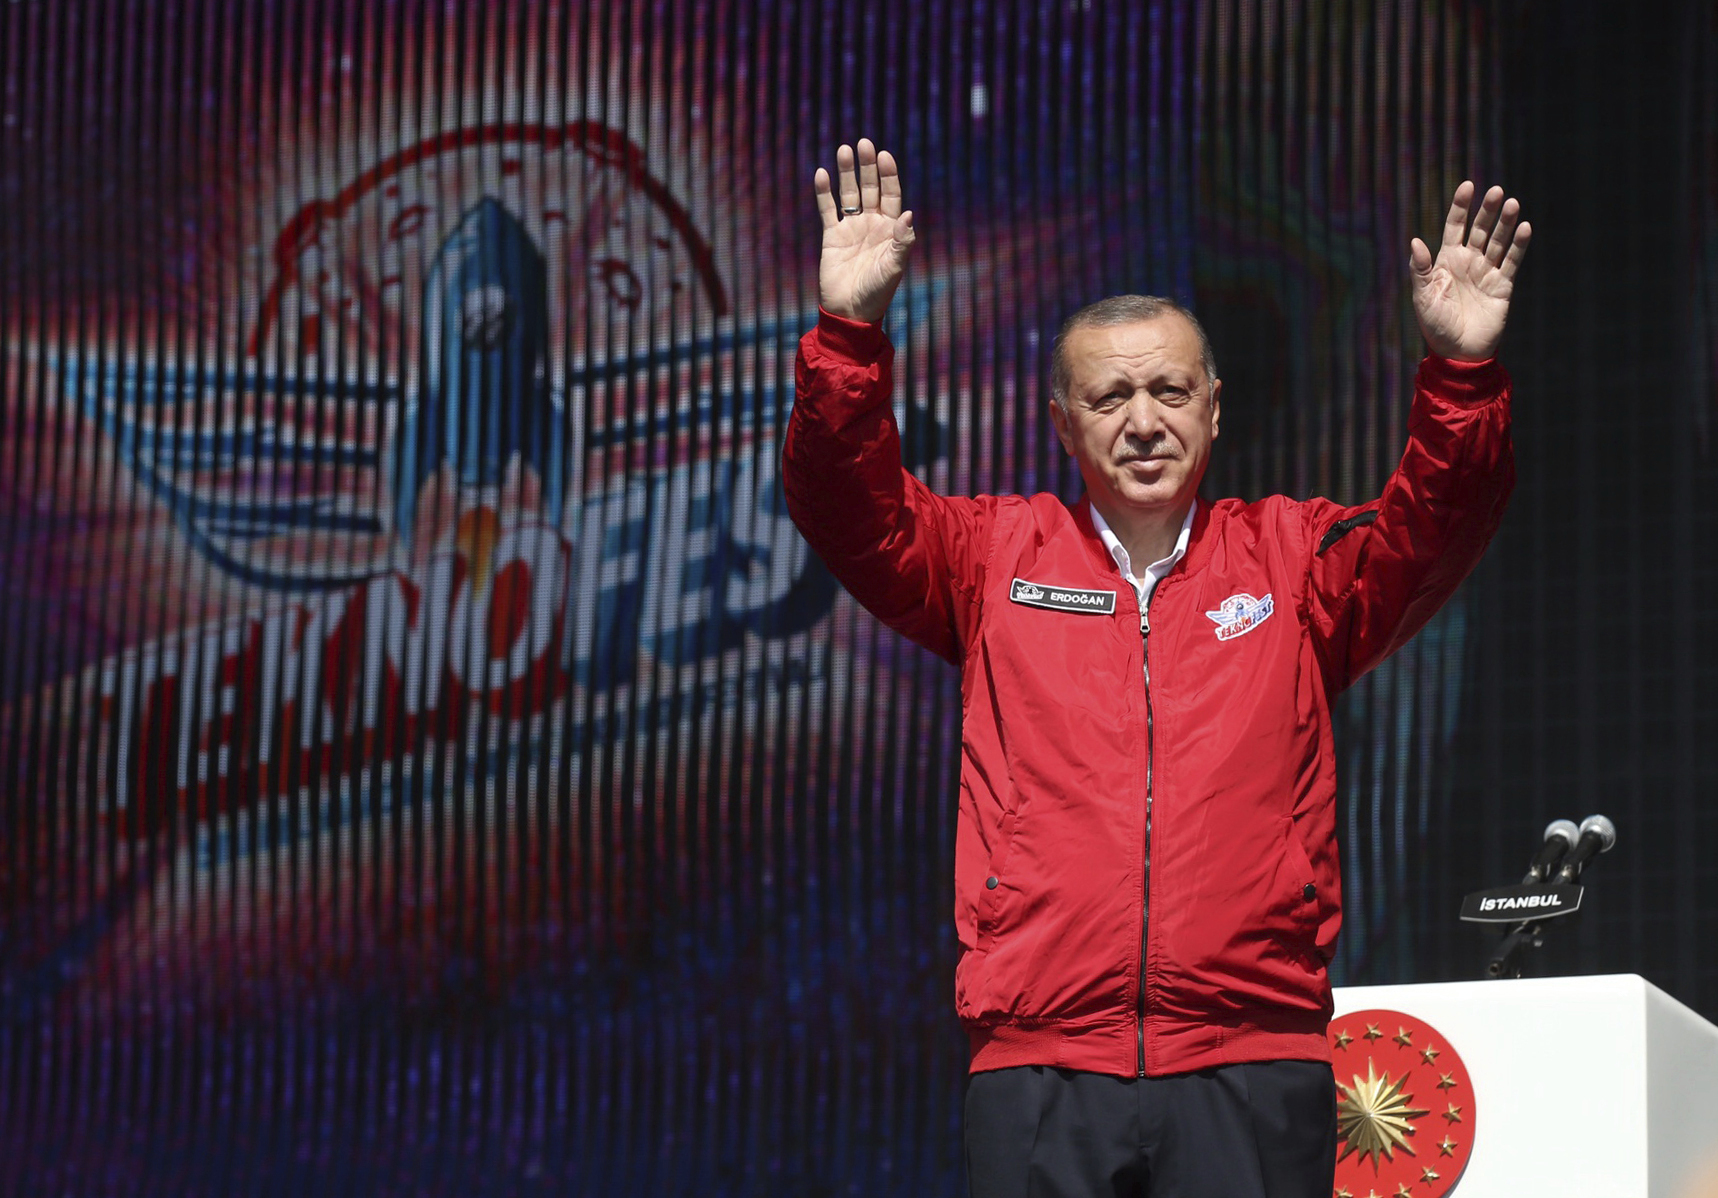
column 1560, row 837
column 1598, row 834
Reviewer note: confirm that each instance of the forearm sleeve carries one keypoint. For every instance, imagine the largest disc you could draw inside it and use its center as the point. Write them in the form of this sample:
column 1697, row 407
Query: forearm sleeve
column 1380, row 571
column 912, row 558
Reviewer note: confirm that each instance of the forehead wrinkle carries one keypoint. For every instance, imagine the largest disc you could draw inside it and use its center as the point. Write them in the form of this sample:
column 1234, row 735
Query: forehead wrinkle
column 1169, row 348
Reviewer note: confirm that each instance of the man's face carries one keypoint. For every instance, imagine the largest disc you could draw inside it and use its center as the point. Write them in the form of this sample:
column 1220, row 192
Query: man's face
column 1141, row 414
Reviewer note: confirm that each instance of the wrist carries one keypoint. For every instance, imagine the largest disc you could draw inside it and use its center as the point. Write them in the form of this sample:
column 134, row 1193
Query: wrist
column 1458, row 355
column 1452, row 346
column 852, row 316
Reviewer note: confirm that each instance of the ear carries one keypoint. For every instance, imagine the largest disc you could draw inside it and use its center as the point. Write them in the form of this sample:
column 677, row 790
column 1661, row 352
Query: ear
column 1063, row 426
column 1216, row 404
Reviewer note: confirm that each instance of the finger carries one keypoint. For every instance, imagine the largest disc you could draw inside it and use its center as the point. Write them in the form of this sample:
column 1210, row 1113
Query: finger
column 849, row 182
column 1485, row 219
column 1455, row 223
column 1517, row 250
column 1419, row 259
column 889, row 184
column 825, row 198
column 868, row 186
column 1503, row 237
column 903, row 232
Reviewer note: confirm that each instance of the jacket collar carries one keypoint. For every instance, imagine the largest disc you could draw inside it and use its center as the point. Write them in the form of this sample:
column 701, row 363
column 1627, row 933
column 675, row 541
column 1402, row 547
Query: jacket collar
column 1199, row 539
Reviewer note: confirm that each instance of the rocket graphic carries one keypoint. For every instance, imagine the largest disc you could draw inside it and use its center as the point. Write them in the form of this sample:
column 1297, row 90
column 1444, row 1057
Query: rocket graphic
column 483, row 394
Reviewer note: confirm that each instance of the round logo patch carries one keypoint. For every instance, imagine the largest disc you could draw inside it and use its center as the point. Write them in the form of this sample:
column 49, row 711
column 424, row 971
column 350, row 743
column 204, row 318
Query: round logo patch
column 1404, row 1107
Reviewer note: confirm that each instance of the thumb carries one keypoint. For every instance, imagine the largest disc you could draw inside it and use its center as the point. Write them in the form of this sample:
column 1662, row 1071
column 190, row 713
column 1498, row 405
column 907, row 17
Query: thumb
column 1420, row 260
column 904, row 233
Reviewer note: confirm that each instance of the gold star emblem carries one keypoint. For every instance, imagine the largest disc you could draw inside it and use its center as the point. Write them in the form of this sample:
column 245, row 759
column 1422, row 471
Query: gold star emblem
column 1402, row 1191
column 1430, row 1053
column 1343, row 1040
column 1446, row 1081
column 1403, row 1038
column 1429, row 1174
column 1372, row 1032
column 1453, row 1114
column 1374, row 1117
column 1345, row 1192
column 1447, row 1147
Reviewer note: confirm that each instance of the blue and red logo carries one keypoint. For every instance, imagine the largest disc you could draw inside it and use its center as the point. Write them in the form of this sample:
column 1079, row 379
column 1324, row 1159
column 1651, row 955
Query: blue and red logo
column 495, row 444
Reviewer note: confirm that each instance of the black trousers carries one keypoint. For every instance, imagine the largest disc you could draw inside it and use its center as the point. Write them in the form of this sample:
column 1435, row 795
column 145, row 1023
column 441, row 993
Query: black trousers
column 1263, row 1130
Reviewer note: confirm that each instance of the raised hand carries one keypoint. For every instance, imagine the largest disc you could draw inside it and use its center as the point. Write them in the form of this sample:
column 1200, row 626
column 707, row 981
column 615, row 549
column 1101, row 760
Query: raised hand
column 1462, row 298
column 866, row 237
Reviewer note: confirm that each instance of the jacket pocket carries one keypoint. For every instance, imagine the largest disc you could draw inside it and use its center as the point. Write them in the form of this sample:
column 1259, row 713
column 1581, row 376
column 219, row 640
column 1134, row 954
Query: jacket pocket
column 995, row 886
column 1299, row 903
column 974, row 979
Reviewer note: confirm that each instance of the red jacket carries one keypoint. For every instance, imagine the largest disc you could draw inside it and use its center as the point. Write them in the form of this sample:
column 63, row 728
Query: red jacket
column 1232, row 887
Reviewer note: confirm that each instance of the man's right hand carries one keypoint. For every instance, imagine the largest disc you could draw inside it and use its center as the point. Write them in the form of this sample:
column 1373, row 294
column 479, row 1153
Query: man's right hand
column 866, row 235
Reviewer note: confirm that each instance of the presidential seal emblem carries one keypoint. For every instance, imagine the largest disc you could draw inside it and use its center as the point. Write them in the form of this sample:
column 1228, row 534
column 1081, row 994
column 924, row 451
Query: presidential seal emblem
column 1404, row 1107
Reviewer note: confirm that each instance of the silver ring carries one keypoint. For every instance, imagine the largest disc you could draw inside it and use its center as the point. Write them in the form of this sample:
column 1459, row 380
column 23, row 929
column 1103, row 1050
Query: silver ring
column 851, row 211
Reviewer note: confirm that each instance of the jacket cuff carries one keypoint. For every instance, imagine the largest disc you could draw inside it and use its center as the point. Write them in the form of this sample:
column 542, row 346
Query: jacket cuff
column 857, row 340
column 1466, row 384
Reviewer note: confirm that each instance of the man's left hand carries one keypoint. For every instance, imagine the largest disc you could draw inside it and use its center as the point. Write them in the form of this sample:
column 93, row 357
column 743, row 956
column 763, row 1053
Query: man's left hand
column 1462, row 298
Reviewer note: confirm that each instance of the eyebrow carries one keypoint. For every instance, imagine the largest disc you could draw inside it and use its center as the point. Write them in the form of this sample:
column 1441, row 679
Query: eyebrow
column 1157, row 382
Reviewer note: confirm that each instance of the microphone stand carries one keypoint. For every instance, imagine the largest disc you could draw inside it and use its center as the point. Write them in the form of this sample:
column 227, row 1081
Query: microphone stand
column 1507, row 959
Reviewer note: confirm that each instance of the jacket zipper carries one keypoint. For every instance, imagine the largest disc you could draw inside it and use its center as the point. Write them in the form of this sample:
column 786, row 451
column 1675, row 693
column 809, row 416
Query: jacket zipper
column 1145, row 912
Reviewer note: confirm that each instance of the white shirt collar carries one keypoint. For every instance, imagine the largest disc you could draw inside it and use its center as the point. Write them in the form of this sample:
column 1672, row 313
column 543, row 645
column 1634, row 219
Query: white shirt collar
column 1144, row 584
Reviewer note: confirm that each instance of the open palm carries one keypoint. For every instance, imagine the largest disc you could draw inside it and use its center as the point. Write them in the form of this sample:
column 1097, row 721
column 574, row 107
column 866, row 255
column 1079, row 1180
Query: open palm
column 1462, row 298
column 866, row 237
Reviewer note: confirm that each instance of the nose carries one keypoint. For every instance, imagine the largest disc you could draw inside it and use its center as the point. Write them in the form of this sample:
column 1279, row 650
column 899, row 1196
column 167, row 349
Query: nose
column 1144, row 417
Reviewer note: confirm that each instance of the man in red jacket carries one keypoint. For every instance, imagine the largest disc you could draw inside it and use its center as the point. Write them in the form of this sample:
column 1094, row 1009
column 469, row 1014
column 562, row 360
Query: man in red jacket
column 1147, row 890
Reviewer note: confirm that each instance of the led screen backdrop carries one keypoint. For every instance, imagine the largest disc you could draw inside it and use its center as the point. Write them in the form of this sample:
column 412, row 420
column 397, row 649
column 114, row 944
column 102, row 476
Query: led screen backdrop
column 432, row 762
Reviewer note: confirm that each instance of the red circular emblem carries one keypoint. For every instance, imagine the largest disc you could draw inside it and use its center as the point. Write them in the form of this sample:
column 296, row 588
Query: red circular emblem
column 1404, row 1107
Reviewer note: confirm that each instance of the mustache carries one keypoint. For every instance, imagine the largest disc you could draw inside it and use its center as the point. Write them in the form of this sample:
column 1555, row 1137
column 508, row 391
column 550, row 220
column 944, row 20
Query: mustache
column 1157, row 447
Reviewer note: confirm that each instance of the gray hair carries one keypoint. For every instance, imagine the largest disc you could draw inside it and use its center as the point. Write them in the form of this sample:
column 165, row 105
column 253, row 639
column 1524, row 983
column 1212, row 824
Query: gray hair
column 1120, row 309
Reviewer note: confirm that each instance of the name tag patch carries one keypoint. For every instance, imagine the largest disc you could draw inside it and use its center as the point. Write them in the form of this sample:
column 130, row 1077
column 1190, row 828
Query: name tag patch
column 1240, row 613
column 1043, row 594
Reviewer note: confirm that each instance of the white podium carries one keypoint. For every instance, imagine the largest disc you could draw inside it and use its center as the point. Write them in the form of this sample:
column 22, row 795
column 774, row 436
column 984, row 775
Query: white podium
column 1588, row 1087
